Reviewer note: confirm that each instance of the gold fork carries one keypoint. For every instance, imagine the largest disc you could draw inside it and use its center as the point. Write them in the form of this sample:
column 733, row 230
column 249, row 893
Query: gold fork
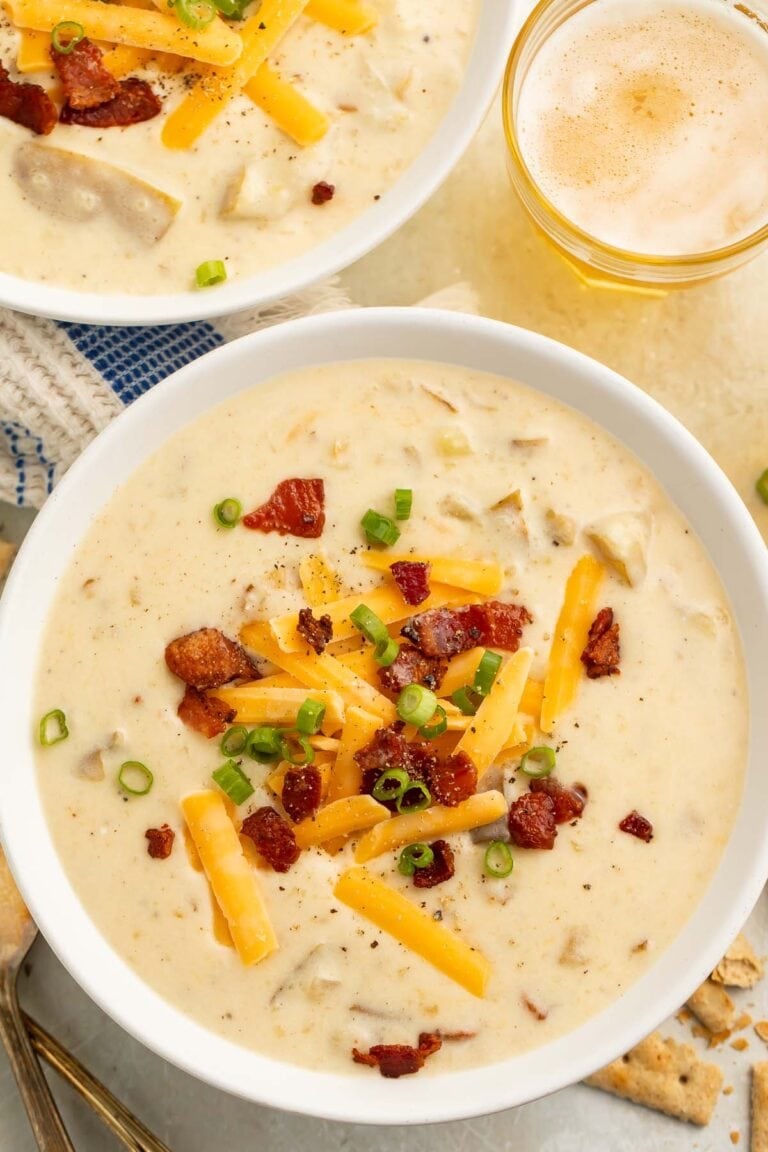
column 22, row 1037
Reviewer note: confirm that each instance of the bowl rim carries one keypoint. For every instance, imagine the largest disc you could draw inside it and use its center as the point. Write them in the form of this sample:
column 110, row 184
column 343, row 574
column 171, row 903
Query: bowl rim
column 728, row 530
column 496, row 27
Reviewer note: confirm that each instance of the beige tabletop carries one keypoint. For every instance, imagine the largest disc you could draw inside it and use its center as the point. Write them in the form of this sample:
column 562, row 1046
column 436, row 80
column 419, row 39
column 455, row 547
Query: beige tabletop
column 704, row 354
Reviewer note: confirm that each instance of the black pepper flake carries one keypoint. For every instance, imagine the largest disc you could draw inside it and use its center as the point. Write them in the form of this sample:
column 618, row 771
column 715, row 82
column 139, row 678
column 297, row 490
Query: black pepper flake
column 437, row 915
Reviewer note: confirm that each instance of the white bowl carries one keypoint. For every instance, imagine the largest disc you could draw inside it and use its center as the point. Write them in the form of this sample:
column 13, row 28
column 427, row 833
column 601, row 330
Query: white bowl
column 497, row 24
column 693, row 482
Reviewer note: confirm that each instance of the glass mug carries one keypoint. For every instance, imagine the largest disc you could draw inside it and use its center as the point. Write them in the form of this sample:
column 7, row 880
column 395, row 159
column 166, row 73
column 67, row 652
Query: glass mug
column 597, row 261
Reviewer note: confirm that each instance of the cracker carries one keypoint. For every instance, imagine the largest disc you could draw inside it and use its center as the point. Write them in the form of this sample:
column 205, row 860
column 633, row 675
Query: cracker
column 740, row 967
column 759, row 1141
column 666, row 1076
column 7, row 553
column 762, row 1029
column 713, row 1006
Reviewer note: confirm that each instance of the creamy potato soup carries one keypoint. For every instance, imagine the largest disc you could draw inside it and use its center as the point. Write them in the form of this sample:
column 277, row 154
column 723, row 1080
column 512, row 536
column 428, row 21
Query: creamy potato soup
column 298, row 148
column 555, row 637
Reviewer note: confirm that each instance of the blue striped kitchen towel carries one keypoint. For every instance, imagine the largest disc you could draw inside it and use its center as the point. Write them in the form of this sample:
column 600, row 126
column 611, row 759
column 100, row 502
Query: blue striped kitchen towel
column 60, row 383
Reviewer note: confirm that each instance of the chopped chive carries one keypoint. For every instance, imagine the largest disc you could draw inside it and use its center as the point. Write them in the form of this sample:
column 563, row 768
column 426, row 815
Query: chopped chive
column 227, row 513
column 56, row 720
column 73, row 33
column 264, row 745
column 466, row 699
column 132, row 775
column 440, row 725
column 403, row 503
column 196, row 14
column 416, row 705
column 386, row 652
column 379, row 529
column 210, row 272
column 406, row 803
column 538, row 762
column 310, row 717
column 233, row 782
column 369, row 624
column 487, row 671
column 296, row 748
column 234, row 741
column 498, row 860
column 390, row 785
column 762, row 487
column 413, row 857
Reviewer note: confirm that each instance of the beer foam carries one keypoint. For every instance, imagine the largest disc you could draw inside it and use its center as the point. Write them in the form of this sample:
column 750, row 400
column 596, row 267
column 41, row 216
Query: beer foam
column 645, row 122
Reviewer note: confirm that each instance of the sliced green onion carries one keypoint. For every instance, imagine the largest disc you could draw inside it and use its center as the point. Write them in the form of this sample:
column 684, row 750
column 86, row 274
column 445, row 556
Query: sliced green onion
column 296, row 748
column 416, row 705
column 234, row 741
column 413, row 857
column 53, row 728
column 233, row 782
column 498, row 860
column 380, row 529
column 405, row 802
column 198, row 14
column 466, row 699
column 210, row 272
column 440, row 725
column 227, row 513
column 762, row 487
column 390, row 785
column 264, row 745
column 232, row 9
column 135, row 778
column 403, row 503
column 310, row 717
column 369, row 624
column 386, row 652
column 538, row 762
column 72, row 32
column 486, row 673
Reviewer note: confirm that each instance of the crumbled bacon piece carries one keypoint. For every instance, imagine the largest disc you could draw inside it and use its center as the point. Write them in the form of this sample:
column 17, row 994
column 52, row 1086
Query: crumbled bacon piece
column 446, row 632
column 568, row 802
column 273, row 837
column 603, row 652
column 295, row 508
column 207, row 715
column 395, row 1060
column 412, row 578
column 453, row 780
column 535, row 1009
column 317, row 631
column 161, row 841
column 207, row 659
column 301, row 792
column 390, row 749
column 27, row 104
column 133, row 104
column 84, row 79
column 637, row 825
column 412, row 667
column 322, row 192
column 441, row 869
column 531, row 821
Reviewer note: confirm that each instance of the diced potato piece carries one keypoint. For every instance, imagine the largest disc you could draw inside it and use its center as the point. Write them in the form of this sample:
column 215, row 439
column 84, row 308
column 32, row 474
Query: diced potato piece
column 561, row 528
column 623, row 539
column 72, row 187
column 453, row 442
column 266, row 189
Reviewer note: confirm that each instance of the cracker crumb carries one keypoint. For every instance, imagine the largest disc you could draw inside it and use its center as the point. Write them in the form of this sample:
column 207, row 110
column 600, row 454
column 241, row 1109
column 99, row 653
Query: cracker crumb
column 759, row 1102
column 735, row 1136
column 728, row 1091
column 743, row 1022
column 713, row 1006
column 740, row 1045
column 740, row 967
column 762, row 1029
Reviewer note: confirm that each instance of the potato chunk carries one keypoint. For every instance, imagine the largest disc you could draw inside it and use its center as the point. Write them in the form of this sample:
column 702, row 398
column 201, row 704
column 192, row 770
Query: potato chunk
column 73, row 187
column 623, row 539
